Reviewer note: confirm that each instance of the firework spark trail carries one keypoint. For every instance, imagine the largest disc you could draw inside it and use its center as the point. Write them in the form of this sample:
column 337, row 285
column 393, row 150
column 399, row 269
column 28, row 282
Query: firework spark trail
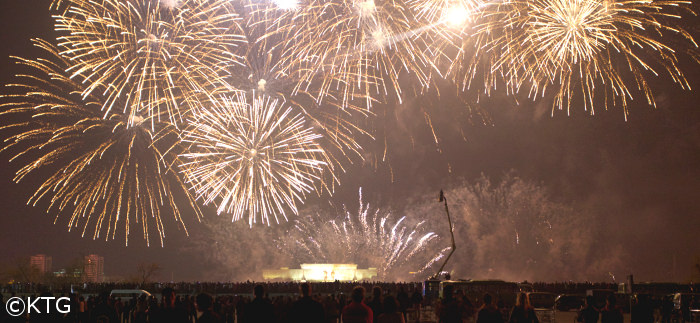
column 103, row 172
column 265, row 71
column 584, row 43
column 457, row 39
column 369, row 237
column 359, row 48
column 447, row 11
column 146, row 55
column 129, row 74
column 576, row 47
column 257, row 158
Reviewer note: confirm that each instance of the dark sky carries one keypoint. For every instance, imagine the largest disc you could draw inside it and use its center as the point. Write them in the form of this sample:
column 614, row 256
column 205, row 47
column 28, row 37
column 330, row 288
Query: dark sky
column 638, row 179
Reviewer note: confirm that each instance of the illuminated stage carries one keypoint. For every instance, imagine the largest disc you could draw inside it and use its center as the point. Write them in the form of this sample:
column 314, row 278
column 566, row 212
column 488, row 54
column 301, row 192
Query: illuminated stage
column 321, row 273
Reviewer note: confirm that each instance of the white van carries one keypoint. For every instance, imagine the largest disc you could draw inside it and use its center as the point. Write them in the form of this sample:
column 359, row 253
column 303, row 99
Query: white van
column 129, row 293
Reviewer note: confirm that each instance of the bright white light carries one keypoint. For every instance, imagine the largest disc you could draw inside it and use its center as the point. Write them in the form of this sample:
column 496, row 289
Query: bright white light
column 286, row 4
column 252, row 153
column 365, row 8
column 379, row 39
column 261, row 85
column 456, row 16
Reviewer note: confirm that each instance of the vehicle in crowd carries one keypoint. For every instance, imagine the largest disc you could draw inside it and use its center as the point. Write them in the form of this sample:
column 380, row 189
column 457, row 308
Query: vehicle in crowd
column 655, row 289
column 474, row 290
column 543, row 303
column 686, row 307
column 128, row 293
column 568, row 302
column 431, row 290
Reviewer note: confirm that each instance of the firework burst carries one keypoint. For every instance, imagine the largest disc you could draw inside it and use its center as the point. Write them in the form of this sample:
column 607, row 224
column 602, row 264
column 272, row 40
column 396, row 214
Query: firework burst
column 254, row 158
column 106, row 174
column 370, row 238
column 447, row 17
column 147, row 56
column 615, row 45
column 357, row 48
column 580, row 48
column 265, row 72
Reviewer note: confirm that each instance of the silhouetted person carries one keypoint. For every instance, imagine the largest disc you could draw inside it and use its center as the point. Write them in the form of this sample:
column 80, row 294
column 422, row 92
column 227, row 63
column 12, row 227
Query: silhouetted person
column 190, row 307
column 332, row 309
column 306, row 309
column 118, row 307
column 417, row 302
column 204, row 304
column 489, row 313
column 83, row 315
column 390, row 314
column 611, row 313
column 104, row 311
column 449, row 309
column 168, row 312
column 522, row 311
column 468, row 309
column 357, row 311
column 642, row 311
column 4, row 315
column 404, row 301
column 376, row 303
column 688, row 302
column 241, row 306
column 260, row 310
column 140, row 309
column 666, row 309
column 588, row 313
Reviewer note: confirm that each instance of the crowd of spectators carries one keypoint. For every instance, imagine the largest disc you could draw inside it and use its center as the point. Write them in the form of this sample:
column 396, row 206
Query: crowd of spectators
column 290, row 302
column 214, row 288
column 239, row 288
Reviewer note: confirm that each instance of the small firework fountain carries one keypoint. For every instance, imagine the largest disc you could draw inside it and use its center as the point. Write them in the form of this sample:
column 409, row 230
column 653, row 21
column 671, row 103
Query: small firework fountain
column 370, row 238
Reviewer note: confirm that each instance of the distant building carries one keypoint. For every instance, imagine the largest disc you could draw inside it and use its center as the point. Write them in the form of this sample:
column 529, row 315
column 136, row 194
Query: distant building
column 94, row 268
column 321, row 273
column 41, row 262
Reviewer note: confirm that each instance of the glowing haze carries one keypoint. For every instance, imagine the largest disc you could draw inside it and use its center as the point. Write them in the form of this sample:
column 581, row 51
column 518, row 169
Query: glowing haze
column 139, row 101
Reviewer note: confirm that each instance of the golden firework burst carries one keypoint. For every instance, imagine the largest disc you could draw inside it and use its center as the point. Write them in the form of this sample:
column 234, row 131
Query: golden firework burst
column 105, row 173
column 148, row 56
column 252, row 156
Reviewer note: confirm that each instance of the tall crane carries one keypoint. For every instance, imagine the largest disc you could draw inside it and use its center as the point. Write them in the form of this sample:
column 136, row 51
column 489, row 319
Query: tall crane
column 431, row 287
column 452, row 235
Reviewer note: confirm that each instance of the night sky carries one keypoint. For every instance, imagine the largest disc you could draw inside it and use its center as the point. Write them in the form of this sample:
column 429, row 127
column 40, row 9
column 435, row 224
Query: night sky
column 637, row 180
